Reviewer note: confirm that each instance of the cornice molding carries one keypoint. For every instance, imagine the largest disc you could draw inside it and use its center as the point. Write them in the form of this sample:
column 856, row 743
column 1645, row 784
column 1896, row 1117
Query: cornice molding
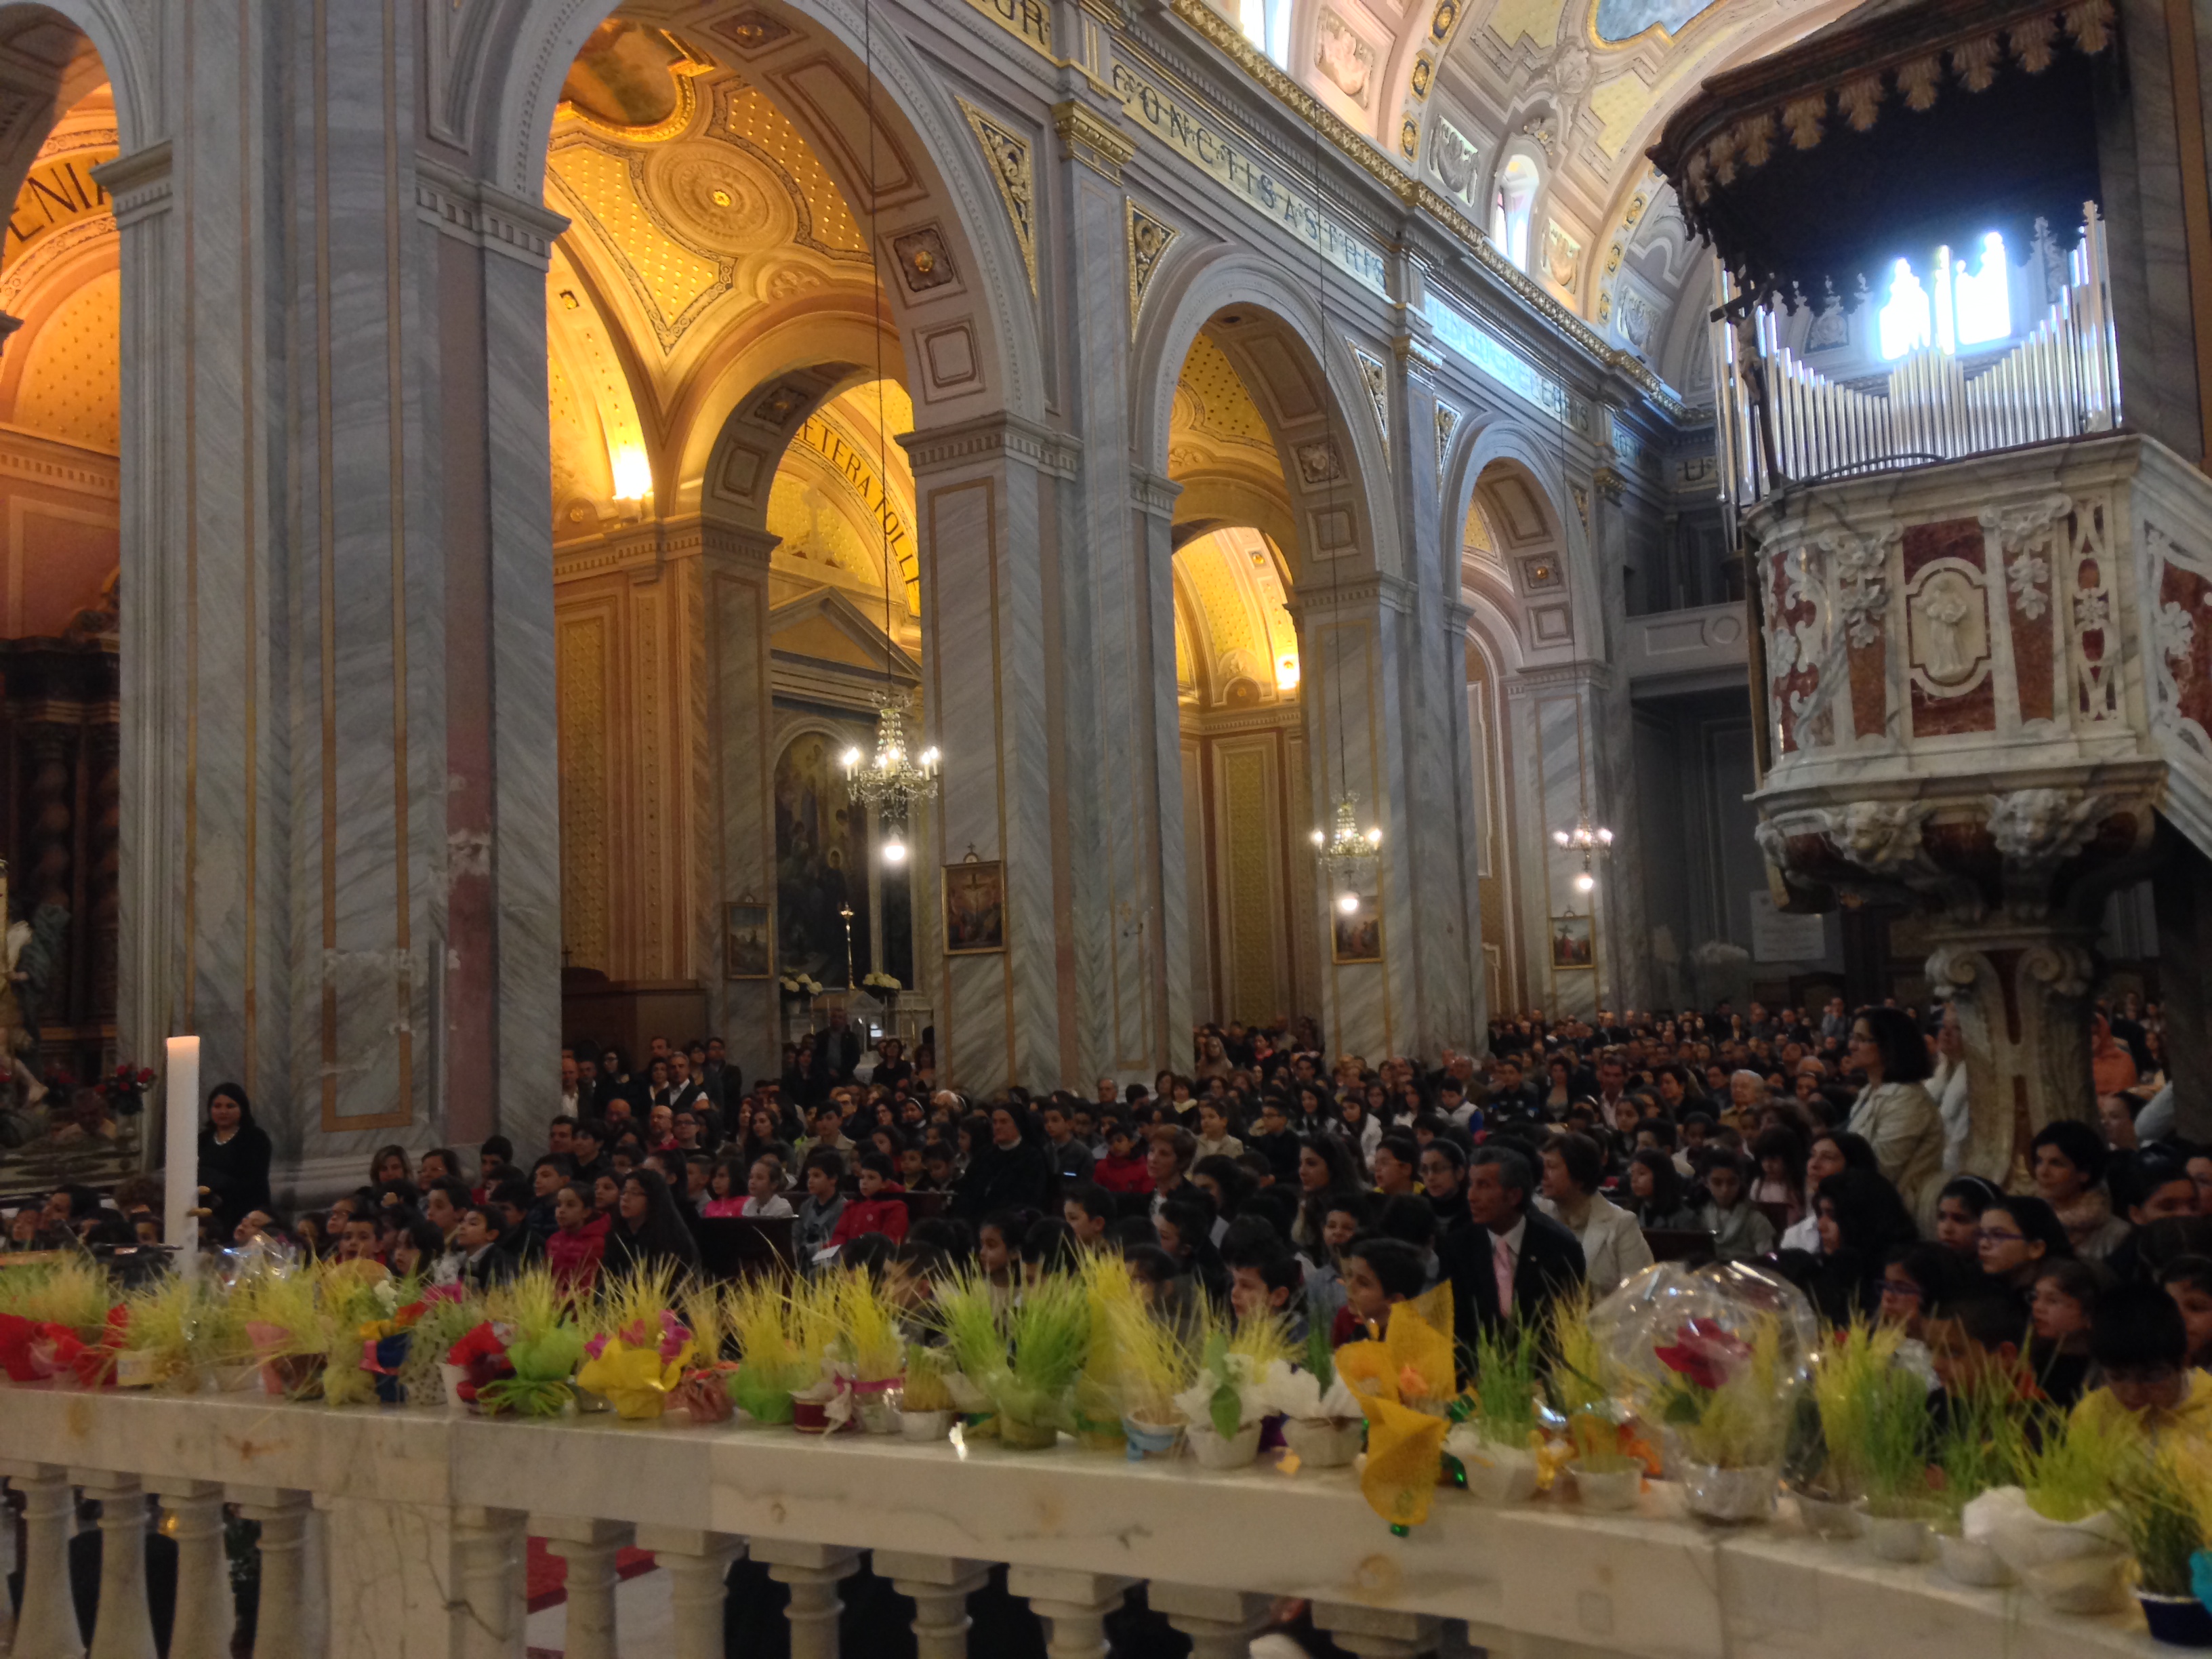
column 1089, row 137
column 989, row 437
column 484, row 216
column 139, row 184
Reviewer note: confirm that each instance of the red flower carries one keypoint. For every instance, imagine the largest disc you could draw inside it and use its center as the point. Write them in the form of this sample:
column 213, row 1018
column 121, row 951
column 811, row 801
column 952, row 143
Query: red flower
column 482, row 1343
column 1704, row 1353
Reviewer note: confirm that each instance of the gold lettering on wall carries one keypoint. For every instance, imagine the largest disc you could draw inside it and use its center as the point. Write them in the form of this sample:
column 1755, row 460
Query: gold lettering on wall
column 584, row 852
column 845, row 458
column 1028, row 21
column 54, row 197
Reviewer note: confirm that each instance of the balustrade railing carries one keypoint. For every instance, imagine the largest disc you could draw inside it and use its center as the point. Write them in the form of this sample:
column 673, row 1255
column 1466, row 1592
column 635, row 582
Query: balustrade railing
column 401, row 1534
column 1785, row 422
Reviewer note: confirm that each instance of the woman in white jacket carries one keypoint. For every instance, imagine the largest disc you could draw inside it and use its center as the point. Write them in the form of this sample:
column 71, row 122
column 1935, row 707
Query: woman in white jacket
column 1613, row 1244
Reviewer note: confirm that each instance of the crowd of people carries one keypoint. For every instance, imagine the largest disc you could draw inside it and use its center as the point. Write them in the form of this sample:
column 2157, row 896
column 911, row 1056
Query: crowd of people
column 1828, row 1145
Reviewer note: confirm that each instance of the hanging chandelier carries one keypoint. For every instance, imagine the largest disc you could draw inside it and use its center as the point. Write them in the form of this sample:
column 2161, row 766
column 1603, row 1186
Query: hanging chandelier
column 891, row 781
column 1589, row 840
column 1348, row 854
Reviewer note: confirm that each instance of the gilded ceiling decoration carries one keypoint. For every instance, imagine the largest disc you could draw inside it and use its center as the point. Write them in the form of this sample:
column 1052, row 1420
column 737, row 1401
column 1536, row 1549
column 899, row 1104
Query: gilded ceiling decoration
column 1008, row 153
column 1149, row 238
column 1235, row 642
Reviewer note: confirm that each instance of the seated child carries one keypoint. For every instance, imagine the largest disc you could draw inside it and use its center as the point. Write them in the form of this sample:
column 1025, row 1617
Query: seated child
column 2188, row 1280
column 1740, row 1229
column 877, row 1209
column 1122, row 1169
column 1264, row 1282
column 2140, row 1348
column 1089, row 1209
column 1379, row 1274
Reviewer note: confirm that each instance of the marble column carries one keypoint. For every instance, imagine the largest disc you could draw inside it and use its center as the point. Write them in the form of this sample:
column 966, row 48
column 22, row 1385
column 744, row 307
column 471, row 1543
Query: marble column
column 205, row 1608
column 589, row 1547
column 1377, row 1633
column 490, row 1546
column 291, row 1617
column 938, row 1586
column 1074, row 1606
column 1557, row 715
column 45, row 1624
column 1438, row 848
column 1220, row 1623
column 122, row 1628
column 812, row 1573
column 1352, row 636
column 988, row 531
column 736, row 801
column 1624, row 977
column 698, row 1564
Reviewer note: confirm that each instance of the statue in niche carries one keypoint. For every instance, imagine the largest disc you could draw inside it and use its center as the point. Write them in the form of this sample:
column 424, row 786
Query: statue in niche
column 1949, row 634
column 30, row 959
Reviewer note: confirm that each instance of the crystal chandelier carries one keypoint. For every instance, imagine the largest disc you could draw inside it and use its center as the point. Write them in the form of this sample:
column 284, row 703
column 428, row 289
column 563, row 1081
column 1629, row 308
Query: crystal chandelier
column 1348, row 856
column 891, row 781
column 1589, row 840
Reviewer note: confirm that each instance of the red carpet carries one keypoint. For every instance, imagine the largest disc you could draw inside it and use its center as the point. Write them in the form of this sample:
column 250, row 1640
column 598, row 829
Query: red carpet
column 546, row 1575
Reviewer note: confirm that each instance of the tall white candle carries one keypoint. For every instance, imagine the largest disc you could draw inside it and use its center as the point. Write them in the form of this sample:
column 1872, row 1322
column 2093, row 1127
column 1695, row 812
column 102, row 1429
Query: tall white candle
column 181, row 1108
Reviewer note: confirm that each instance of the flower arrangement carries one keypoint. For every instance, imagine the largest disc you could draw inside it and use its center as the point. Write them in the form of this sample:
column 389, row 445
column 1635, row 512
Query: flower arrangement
column 1227, row 1392
column 801, row 985
column 1405, row 1385
column 1306, row 1387
column 125, row 1089
column 881, row 982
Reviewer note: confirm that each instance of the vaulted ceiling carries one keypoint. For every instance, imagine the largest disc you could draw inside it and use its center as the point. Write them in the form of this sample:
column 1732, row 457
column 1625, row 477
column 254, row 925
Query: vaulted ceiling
column 1457, row 90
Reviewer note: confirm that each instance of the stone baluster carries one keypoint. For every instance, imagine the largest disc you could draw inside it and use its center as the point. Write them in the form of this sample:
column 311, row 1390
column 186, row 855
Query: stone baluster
column 589, row 1547
column 122, row 1628
column 1377, row 1633
column 286, row 1623
column 1220, row 1623
column 812, row 1572
column 489, row 1546
column 698, row 1567
column 938, row 1586
column 201, row 1628
column 1074, row 1606
column 45, row 1625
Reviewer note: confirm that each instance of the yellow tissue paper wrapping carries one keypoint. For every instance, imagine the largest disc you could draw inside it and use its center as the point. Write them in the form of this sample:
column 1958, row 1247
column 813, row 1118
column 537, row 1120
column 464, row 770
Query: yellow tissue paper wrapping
column 637, row 1382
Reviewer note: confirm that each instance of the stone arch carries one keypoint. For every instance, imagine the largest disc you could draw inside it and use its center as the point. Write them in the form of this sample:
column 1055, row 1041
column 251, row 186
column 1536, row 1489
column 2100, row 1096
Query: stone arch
column 1486, row 453
column 967, row 331
column 44, row 72
column 1280, row 343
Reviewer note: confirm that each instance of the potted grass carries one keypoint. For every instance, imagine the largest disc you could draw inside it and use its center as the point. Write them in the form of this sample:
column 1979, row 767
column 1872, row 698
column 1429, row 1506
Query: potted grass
column 867, row 1355
column 1153, row 1363
column 1981, row 1447
column 1115, row 1300
column 1048, row 1332
column 1226, row 1400
column 1825, row 1469
column 2163, row 1508
column 1322, row 1424
column 2057, row 1531
column 926, row 1411
column 1497, row 1446
column 966, row 1315
column 1607, row 1475
column 1901, row 1512
column 771, row 1363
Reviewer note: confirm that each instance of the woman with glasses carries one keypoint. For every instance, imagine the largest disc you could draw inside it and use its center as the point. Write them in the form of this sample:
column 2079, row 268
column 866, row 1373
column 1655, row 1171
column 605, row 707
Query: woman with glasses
column 2019, row 1237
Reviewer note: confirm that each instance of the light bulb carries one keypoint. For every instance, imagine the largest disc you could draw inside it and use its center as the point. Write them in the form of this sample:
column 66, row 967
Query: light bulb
column 929, row 757
column 1347, row 902
column 1563, row 838
column 1374, row 836
column 633, row 475
column 1606, row 836
column 1585, row 882
column 894, row 850
column 1319, row 839
column 852, row 758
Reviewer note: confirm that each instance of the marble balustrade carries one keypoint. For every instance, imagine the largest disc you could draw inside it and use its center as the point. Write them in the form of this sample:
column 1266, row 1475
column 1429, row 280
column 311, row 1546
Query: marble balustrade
column 399, row 1535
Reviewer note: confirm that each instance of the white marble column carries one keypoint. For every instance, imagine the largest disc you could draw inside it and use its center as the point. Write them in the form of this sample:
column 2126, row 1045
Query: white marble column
column 811, row 1572
column 490, row 1546
column 287, row 1620
column 938, row 1586
column 1558, row 716
column 205, row 1609
column 1074, row 1605
column 985, row 496
column 124, row 1627
column 698, row 1564
column 45, row 1625
column 1377, row 1633
column 1220, row 1623
column 589, row 1548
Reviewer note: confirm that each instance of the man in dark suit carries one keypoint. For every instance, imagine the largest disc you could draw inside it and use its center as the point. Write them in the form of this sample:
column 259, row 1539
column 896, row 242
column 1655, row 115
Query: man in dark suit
column 1508, row 1266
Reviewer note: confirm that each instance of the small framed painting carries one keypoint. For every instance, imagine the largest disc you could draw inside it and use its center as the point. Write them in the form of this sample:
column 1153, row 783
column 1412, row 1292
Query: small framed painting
column 1572, row 943
column 746, row 953
column 1356, row 935
column 975, row 907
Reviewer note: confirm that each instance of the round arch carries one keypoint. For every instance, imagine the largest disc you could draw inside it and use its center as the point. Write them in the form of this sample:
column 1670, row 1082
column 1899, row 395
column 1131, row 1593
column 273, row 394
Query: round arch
column 963, row 362
column 46, row 87
column 1280, row 340
column 1486, row 442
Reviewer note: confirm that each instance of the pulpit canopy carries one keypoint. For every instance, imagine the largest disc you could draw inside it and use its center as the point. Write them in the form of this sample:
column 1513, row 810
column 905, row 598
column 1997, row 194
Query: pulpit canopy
column 1902, row 127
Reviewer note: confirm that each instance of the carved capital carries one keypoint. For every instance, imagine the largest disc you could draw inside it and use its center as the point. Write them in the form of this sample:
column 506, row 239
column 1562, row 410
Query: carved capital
column 1090, row 139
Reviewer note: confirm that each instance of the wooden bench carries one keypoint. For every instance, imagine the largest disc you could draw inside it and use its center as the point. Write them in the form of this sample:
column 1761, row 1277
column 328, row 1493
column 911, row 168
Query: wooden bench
column 747, row 1247
column 1689, row 1245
